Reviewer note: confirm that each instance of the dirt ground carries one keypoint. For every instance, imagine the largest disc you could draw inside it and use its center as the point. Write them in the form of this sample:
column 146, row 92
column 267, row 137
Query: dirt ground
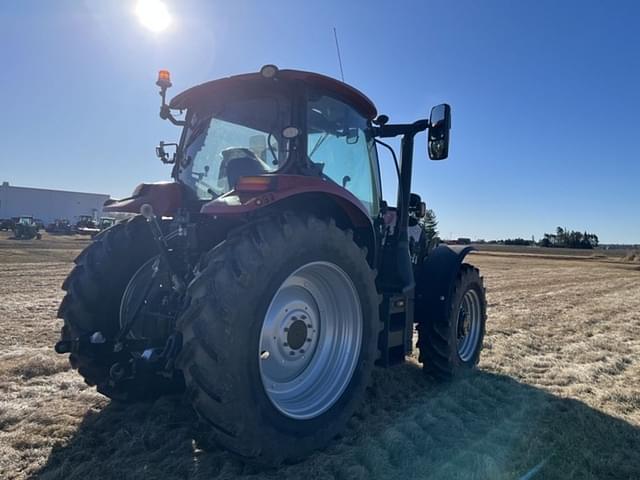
column 557, row 394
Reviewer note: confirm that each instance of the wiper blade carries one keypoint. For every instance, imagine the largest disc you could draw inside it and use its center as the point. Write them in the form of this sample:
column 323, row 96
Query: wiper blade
column 197, row 131
column 318, row 144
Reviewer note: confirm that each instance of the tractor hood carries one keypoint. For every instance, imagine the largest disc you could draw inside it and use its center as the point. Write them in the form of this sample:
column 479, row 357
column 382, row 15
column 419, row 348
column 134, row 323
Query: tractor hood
column 165, row 198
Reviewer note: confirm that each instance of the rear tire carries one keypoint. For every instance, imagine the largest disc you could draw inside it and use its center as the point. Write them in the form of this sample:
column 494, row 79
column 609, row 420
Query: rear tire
column 445, row 350
column 92, row 303
column 223, row 331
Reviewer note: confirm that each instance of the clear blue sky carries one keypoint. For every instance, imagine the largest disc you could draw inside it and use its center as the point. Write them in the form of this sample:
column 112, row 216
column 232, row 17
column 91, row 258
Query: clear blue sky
column 545, row 96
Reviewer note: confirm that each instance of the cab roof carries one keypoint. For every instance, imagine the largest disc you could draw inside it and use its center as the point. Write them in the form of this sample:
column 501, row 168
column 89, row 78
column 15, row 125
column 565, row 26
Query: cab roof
column 341, row 90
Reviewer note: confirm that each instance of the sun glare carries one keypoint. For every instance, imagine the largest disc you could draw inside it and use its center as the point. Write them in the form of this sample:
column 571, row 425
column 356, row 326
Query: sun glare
column 153, row 14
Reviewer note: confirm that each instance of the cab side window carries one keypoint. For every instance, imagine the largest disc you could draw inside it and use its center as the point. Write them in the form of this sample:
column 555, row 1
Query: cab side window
column 339, row 141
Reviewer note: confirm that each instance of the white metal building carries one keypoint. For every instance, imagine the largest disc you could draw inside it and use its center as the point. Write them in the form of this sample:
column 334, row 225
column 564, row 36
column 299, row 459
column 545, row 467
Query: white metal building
column 48, row 205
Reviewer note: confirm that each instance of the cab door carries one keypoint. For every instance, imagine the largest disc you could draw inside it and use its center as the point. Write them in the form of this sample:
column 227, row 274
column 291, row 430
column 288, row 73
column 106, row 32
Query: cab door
column 340, row 144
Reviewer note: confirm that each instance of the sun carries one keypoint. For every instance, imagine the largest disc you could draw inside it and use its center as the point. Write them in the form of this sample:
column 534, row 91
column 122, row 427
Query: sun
column 153, row 14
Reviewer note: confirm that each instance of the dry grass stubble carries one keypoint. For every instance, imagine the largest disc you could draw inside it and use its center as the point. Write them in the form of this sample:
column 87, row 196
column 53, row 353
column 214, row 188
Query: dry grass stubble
column 558, row 383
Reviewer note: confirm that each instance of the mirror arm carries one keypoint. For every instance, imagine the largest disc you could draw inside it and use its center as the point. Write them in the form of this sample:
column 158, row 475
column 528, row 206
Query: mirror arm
column 393, row 130
column 165, row 111
column 165, row 114
column 397, row 260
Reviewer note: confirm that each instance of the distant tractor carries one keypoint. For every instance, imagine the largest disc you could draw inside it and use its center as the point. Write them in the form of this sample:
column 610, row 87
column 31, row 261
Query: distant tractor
column 270, row 276
column 59, row 227
column 7, row 224
column 86, row 225
column 26, row 229
column 106, row 222
column 102, row 224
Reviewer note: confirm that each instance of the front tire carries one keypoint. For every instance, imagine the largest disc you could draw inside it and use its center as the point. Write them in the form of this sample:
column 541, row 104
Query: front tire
column 450, row 344
column 252, row 364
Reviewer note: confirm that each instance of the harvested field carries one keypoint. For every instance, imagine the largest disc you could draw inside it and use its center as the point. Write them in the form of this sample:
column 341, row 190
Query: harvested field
column 557, row 393
column 614, row 254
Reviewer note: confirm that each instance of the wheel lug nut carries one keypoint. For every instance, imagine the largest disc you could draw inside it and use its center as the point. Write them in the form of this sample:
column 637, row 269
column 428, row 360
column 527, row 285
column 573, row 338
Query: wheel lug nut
column 286, row 344
column 302, row 350
column 292, row 353
column 308, row 339
column 309, row 325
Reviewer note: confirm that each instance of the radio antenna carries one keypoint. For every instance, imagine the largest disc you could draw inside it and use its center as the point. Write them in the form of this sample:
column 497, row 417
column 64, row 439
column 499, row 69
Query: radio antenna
column 335, row 36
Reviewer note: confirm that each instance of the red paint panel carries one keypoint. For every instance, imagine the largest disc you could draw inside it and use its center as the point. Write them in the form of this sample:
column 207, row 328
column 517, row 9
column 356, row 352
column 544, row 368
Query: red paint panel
column 287, row 186
column 164, row 197
column 348, row 93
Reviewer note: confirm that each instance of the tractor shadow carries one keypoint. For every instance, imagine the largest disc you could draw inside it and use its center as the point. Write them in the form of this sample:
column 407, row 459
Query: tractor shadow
column 482, row 426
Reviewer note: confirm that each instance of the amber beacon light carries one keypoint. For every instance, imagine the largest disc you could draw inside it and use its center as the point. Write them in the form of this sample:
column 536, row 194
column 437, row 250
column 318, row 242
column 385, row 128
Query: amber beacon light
column 164, row 79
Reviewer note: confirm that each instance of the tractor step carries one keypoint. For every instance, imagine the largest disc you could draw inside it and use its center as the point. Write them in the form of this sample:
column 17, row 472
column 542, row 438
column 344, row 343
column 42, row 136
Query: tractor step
column 396, row 312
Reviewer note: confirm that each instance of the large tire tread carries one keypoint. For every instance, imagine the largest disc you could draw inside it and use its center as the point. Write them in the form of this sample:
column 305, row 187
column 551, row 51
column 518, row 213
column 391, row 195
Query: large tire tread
column 213, row 377
column 436, row 341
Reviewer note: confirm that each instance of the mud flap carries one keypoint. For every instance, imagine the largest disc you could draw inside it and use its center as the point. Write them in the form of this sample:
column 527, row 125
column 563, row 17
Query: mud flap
column 435, row 280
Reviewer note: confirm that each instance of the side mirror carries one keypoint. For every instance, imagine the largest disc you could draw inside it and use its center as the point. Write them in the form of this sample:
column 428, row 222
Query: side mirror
column 438, row 134
column 353, row 135
column 160, row 153
column 417, row 207
column 163, row 155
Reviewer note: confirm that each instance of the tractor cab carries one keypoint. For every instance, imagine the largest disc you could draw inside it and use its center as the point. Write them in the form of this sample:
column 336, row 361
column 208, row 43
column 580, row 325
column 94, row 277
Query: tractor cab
column 27, row 221
column 106, row 222
column 275, row 122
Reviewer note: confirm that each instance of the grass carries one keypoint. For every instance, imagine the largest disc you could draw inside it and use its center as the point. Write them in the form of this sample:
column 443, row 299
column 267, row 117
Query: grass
column 550, row 252
column 557, row 389
column 633, row 256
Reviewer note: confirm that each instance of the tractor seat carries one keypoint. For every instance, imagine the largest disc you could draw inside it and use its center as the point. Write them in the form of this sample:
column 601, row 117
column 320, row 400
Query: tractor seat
column 240, row 162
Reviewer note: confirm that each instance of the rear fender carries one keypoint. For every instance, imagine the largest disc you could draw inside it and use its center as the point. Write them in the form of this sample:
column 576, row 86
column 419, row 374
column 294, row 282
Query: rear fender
column 165, row 198
column 435, row 280
column 301, row 194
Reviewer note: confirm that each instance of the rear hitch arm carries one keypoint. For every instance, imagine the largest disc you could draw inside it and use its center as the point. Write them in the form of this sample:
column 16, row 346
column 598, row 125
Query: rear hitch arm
column 152, row 361
column 153, row 358
column 158, row 237
column 95, row 345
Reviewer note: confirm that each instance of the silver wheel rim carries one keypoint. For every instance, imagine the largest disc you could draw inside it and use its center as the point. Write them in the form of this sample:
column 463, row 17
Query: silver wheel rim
column 310, row 340
column 469, row 325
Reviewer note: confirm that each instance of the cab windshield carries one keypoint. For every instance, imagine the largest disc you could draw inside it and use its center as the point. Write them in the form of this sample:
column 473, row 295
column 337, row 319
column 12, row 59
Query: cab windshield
column 233, row 138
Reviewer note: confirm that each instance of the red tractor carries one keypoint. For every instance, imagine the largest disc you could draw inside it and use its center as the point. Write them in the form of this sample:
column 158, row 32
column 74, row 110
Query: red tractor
column 269, row 277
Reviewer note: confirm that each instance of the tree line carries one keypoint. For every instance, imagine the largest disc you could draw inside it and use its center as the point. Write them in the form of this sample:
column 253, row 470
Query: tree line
column 563, row 238
column 569, row 239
